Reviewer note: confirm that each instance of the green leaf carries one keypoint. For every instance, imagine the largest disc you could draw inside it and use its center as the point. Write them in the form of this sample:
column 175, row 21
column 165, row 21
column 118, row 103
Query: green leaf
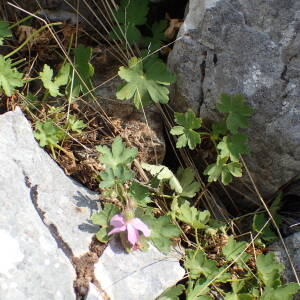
column 62, row 77
column 267, row 234
column 233, row 249
column 269, row 269
column 82, row 82
column 102, row 235
column 219, row 129
column 149, row 60
column 197, row 264
column 189, row 186
column 10, row 77
column 139, row 194
column 60, row 80
column 75, row 125
column 111, row 176
column 237, row 112
column 144, row 86
column 158, row 35
column 127, row 33
column 284, row 292
column 187, row 135
column 103, row 217
column 118, row 155
column 56, row 113
column 190, row 215
column 172, row 293
column 233, row 296
column 47, row 133
column 163, row 173
column 129, row 14
column 4, row 31
column 132, row 11
column 162, row 231
column 221, row 168
column 198, row 290
column 233, row 146
column 237, row 285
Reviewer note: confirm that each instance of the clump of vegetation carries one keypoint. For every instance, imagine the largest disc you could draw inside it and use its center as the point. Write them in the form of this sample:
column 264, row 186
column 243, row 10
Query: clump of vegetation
column 164, row 207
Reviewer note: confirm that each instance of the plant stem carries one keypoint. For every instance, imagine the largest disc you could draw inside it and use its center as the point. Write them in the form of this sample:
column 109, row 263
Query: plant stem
column 30, row 38
column 21, row 21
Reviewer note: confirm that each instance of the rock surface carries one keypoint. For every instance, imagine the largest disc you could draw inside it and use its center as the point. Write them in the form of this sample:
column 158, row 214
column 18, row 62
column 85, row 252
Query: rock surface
column 31, row 264
column 138, row 275
column 292, row 243
column 45, row 232
column 252, row 48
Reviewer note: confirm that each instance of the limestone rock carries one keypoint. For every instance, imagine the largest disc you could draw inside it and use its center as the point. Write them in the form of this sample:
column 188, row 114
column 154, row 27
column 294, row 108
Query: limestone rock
column 138, row 275
column 252, row 48
column 31, row 264
column 66, row 204
column 292, row 243
column 44, row 217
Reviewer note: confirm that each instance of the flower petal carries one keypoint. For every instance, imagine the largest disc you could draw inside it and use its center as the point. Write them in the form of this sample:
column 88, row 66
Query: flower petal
column 133, row 234
column 141, row 226
column 117, row 229
column 117, row 221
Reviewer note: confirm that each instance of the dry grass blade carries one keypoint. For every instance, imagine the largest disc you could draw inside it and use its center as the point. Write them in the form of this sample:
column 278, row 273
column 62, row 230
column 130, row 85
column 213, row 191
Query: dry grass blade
column 272, row 219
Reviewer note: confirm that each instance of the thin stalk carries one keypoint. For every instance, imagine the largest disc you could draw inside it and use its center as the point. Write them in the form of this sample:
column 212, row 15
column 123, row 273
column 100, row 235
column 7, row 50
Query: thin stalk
column 30, row 38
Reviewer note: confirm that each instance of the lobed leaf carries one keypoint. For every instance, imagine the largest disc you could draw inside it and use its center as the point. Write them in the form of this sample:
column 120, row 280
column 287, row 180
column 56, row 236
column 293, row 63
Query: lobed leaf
column 189, row 186
column 237, row 112
column 172, row 293
column 139, row 194
column 162, row 231
column 223, row 170
column 190, row 215
column 233, row 249
column 75, row 125
column 47, row 133
column 4, row 31
column 10, row 77
column 187, row 135
column 83, row 77
column 53, row 85
column 233, row 146
column 129, row 14
column 144, row 86
column 269, row 270
column 197, row 264
column 118, row 155
column 197, row 290
column 102, row 218
column 163, row 173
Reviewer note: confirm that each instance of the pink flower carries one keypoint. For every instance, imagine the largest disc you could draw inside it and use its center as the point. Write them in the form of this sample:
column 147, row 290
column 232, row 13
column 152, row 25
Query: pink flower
column 133, row 226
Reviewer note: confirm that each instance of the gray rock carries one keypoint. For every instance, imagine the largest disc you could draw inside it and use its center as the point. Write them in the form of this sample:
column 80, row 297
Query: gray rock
column 93, row 293
column 138, row 275
column 31, row 264
column 292, row 243
column 44, row 217
column 247, row 47
column 65, row 204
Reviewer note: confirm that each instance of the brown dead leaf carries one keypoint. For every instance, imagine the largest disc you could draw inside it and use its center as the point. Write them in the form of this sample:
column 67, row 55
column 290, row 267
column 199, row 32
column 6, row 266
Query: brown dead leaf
column 68, row 163
column 24, row 32
column 68, row 31
column 173, row 27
